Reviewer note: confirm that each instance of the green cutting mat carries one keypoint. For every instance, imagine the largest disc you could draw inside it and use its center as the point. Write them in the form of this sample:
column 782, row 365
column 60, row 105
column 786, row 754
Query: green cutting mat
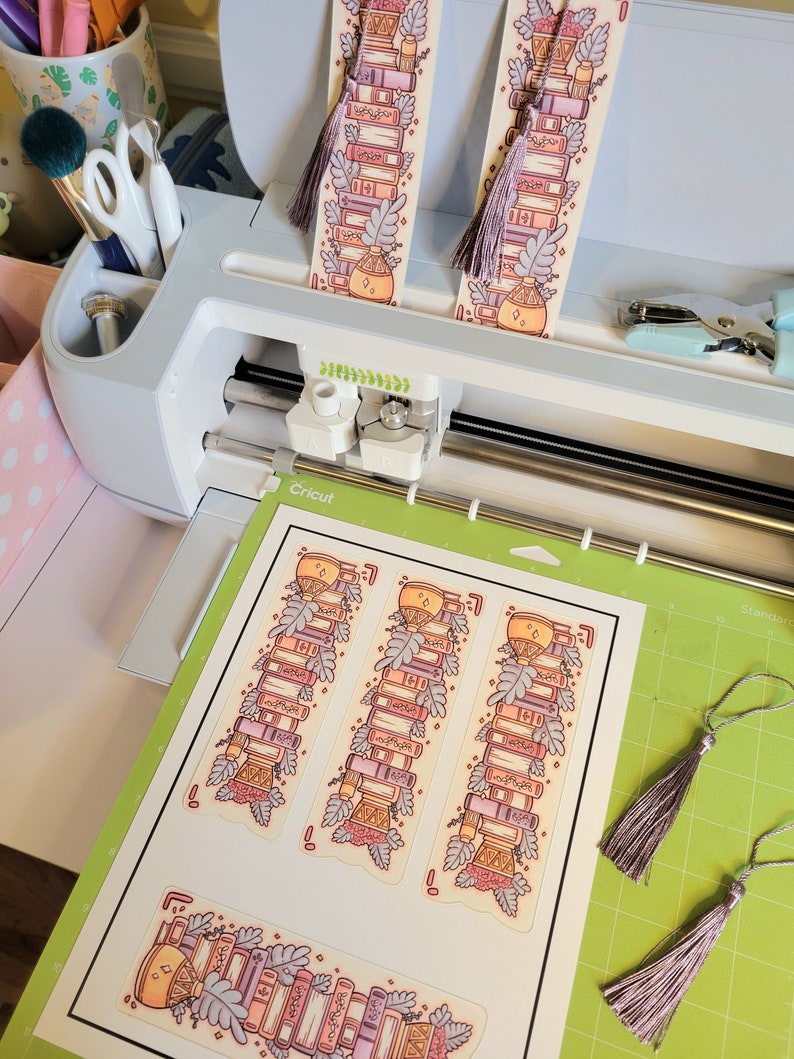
column 699, row 637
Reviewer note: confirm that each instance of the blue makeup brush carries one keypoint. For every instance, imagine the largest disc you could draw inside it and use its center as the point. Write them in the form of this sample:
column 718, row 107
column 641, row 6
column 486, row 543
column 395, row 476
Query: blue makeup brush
column 55, row 143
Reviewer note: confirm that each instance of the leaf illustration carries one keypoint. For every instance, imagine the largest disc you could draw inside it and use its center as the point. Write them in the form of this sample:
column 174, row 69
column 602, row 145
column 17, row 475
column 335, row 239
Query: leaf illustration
column 536, row 767
column 477, row 292
column 151, row 96
column 572, row 656
column 404, row 804
column 219, row 1004
column 342, row 631
column 381, row 228
column 463, row 879
column 336, row 810
column 348, row 46
column 294, row 617
column 575, row 131
column 261, row 812
column 199, row 923
column 477, row 778
column 276, row 1050
column 343, row 171
column 402, row 1001
column 248, row 937
column 289, row 763
column 250, row 704
column 323, row 664
column 528, row 845
column 88, row 75
column 381, row 855
column 520, row 884
column 440, row 1017
column 565, row 699
column 537, row 258
column 394, row 838
column 458, row 853
column 321, row 983
column 60, row 78
column 353, row 592
column 514, row 682
column 224, row 794
column 405, row 105
column 414, row 21
column 456, row 1034
column 551, row 734
column 400, row 649
column 460, row 623
column 287, row 960
column 482, row 735
column 333, row 212
column 221, row 771
column 593, row 47
column 573, row 187
column 507, row 899
column 519, row 69
column 342, row 835
column 306, row 692
column 360, row 743
column 585, row 17
column 408, row 157
column 434, row 697
column 351, row 133
column 449, row 664
column 352, row 6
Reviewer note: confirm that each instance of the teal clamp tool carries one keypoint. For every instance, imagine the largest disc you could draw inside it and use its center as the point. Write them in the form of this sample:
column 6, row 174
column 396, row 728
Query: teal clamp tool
column 696, row 325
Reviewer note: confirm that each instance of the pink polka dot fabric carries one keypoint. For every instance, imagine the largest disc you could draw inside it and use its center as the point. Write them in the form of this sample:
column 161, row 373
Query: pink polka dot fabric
column 36, row 457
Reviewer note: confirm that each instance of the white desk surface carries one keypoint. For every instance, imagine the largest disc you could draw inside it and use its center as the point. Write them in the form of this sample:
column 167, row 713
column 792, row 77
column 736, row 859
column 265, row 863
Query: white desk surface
column 71, row 724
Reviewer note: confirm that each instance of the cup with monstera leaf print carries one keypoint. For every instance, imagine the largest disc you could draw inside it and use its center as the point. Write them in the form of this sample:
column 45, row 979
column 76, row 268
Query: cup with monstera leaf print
column 83, row 84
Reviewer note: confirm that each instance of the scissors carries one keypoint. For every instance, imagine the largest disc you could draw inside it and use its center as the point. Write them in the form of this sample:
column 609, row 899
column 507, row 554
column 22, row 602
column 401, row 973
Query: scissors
column 120, row 203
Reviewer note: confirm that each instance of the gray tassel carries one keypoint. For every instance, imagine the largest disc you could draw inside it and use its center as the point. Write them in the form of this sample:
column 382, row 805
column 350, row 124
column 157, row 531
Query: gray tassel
column 478, row 252
column 646, row 1000
column 301, row 207
column 632, row 841
column 634, row 838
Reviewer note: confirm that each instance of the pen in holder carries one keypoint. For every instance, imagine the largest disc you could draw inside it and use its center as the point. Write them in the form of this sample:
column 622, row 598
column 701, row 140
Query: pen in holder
column 83, row 85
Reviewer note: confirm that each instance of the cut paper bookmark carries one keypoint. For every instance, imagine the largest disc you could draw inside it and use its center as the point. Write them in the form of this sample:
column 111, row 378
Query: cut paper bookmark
column 556, row 73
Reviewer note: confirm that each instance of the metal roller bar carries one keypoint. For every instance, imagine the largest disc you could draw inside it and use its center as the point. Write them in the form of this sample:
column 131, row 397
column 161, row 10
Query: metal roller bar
column 502, row 516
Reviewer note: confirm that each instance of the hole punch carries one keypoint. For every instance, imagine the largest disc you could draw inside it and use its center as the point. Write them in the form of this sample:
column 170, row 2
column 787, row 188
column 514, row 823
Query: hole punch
column 474, row 507
column 587, row 536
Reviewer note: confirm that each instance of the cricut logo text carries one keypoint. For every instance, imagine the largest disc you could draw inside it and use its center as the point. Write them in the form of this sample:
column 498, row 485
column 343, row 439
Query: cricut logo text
column 299, row 489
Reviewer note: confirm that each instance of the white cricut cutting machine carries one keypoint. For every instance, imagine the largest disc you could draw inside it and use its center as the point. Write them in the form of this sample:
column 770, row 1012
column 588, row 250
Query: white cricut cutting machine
column 691, row 194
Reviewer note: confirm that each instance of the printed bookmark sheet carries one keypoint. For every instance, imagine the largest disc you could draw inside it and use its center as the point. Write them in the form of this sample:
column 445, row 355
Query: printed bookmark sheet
column 375, row 825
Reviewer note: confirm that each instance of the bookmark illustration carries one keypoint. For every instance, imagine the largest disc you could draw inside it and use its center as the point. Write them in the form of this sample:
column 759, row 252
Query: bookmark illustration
column 374, row 139
column 493, row 839
column 238, row 985
column 270, row 722
column 367, row 810
column 556, row 73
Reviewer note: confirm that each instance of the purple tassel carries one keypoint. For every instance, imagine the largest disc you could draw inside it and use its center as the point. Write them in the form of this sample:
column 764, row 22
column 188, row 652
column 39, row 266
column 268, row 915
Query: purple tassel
column 635, row 837
column 479, row 250
column 301, row 207
column 646, row 1000
column 632, row 841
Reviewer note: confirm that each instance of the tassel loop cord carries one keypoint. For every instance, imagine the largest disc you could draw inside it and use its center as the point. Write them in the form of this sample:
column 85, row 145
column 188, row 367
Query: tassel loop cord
column 632, row 841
